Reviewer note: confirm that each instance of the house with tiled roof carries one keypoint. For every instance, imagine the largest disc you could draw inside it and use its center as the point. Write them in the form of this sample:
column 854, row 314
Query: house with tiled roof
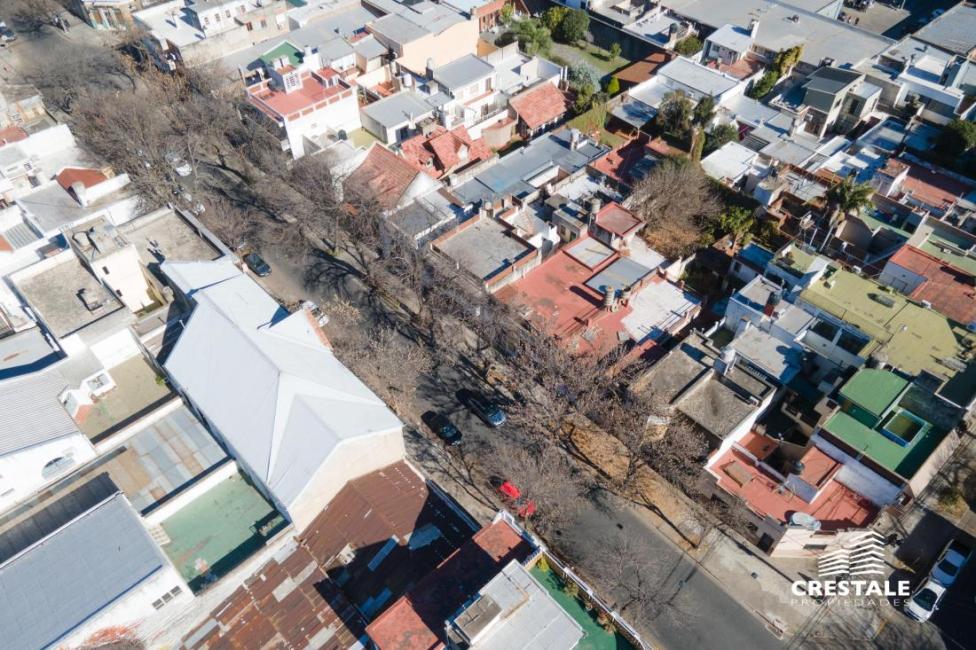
column 440, row 152
column 303, row 99
column 387, row 180
column 540, row 108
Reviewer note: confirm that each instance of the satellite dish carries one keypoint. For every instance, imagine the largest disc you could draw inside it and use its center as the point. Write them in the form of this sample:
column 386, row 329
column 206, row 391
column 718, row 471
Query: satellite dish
column 803, row 520
column 342, row 134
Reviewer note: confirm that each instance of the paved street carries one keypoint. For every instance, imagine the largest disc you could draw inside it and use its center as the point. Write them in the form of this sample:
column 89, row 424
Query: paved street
column 700, row 614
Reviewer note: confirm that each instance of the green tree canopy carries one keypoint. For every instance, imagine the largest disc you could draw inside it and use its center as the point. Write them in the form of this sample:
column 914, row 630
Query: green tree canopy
column 675, row 112
column 688, row 46
column 704, row 111
column 533, row 37
column 553, row 16
column 956, row 138
column 613, row 86
column 720, row 135
column 573, row 27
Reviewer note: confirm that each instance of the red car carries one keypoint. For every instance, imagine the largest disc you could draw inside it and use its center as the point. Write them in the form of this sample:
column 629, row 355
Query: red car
column 523, row 507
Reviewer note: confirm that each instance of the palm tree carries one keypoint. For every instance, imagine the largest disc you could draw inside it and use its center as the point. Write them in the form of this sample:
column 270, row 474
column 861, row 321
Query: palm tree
column 843, row 199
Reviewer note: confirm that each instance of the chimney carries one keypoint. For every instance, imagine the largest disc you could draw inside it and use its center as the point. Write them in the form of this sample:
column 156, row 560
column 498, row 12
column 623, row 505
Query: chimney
column 430, row 68
column 727, row 361
column 753, row 27
column 575, row 137
column 78, row 189
column 610, row 299
column 794, row 126
column 770, row 307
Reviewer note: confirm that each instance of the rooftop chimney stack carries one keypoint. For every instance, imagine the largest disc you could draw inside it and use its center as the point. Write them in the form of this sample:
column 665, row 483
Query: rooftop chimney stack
column 771, row 302
column 753, row 27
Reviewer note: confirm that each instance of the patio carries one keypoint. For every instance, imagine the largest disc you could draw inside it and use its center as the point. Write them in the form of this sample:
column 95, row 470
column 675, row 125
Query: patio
column 138, row 391
column 219, row 530
column 596, row 638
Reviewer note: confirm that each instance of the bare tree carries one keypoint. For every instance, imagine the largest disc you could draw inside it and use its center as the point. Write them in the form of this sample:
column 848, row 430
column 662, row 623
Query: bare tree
column 677, row 202
column 544, row 475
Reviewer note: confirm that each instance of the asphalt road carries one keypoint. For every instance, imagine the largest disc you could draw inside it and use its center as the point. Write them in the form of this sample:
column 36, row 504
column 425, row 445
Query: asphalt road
column 700, row 613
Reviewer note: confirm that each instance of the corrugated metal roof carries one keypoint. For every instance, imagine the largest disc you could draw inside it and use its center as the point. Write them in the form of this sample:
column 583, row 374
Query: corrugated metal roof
column 20, row 235
column 72, row 574
column 265, row 379
column 30, row 411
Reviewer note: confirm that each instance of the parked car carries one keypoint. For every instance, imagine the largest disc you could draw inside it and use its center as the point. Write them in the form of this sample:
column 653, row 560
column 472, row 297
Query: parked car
column 179, row 165
column 442, row 427
column 925, row 600
column 7, row 35
column 484, row 408
column 513, row 498
column 951, row 562
column 260, row 268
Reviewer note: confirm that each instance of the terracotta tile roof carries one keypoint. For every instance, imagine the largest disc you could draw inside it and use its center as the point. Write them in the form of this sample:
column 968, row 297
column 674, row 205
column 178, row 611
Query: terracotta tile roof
column 286, row 604
column 383, row 177
column 312, row 94
column 949, row 290
column 616, row 219
column 88, row 177
column 836, row 506
column 540, row 105
column 617, row 162
column 645, row 68
column 441, row 149
column 12, row 134
column 416, row 621
column 392, row 503
column 933, row 187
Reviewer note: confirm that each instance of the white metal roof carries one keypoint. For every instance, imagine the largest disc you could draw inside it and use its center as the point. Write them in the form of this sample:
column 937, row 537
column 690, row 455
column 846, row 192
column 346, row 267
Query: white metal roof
column 266, row 380
column 30, row 411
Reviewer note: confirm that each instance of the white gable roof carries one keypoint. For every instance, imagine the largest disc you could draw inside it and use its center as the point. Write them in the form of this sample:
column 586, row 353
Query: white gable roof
column 265, row 379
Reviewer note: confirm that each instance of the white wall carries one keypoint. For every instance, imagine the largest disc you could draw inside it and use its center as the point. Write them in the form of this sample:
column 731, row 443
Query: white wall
column 858, row 477
column 135, row 606
column 900, row 278
column 21, row 471
column 341, row 115
column 115, row 348
column 350, row 459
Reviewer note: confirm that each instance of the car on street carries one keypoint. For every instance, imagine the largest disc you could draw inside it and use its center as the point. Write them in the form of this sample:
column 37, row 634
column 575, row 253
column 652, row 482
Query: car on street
column 179, row 165
column 442, row 427
column 513, row 497
column 257, row 264
column 486, row 410
column 7, row 35
column 950, row 563
column 925, row 600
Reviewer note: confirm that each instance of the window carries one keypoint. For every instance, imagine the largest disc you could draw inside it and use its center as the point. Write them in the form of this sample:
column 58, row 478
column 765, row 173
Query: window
column 264, row 23
column 249, row 26
column 165, row 598
column 56, row 466
column 227, row 13
column 206, row 21
column 217, row 18
column 105, row 270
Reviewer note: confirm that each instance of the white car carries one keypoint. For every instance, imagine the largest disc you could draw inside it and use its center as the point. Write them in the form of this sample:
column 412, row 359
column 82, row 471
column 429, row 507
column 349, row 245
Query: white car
column 179, row 165
column 951, row 562
column 925, row 601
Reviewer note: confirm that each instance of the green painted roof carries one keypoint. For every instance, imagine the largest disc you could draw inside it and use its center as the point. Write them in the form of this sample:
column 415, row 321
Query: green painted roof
column 910, row 336
column 938, row 246
column 874, row 390
column 284, row 49
column 904, row 461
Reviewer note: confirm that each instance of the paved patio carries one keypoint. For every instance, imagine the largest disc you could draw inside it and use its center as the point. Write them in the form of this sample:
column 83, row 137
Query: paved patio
column 137, row 392
column 220, row 530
